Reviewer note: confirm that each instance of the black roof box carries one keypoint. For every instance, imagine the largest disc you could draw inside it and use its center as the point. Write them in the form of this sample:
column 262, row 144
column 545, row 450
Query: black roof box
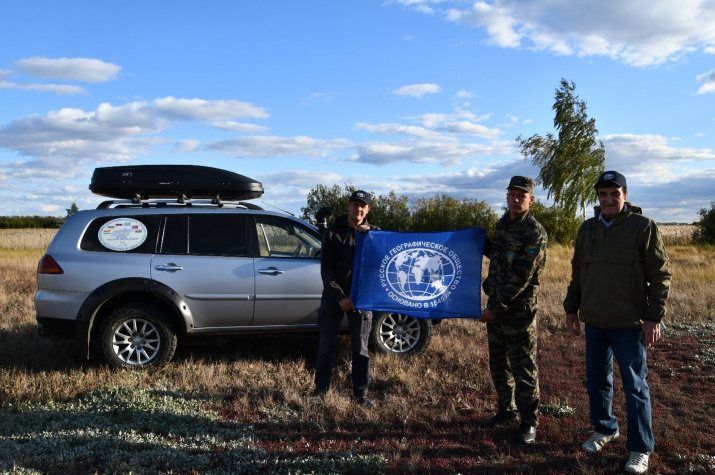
column 141, row 182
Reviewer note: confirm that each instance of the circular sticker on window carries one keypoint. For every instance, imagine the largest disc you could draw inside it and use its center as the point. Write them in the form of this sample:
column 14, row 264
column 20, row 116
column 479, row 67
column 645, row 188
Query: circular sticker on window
column 123, row 234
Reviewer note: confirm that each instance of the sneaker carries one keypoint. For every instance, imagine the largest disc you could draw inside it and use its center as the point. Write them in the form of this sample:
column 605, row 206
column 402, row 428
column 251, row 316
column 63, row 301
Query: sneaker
column 597, row 440
column 499, row 419
column 637, row 463
column 526, row 434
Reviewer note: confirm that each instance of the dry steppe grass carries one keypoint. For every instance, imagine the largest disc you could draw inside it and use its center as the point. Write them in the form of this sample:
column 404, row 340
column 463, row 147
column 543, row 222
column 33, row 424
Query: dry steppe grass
column 245, row 407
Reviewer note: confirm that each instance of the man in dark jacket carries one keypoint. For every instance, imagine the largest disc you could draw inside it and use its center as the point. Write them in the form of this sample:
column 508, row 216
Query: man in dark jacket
column 336, row 268
column 517, row 256
column 619, row 285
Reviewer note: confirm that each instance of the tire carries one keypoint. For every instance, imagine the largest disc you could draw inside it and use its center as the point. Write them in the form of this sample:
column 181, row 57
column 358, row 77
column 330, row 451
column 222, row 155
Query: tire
column 137, row 336
column 398, row 334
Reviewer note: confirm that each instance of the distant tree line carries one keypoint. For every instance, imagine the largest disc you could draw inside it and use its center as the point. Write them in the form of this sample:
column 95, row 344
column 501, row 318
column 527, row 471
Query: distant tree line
column 25, row 222
column 437, row 213
column 36, row 222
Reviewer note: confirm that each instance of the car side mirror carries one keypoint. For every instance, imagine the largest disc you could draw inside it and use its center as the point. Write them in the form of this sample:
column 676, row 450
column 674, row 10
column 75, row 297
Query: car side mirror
column 321, row 218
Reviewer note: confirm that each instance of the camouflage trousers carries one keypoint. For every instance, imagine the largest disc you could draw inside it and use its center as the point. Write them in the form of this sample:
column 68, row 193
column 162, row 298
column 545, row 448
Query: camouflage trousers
column 512, row 363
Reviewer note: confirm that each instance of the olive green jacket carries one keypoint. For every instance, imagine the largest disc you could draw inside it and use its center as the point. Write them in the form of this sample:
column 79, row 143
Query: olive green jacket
column 620, row 274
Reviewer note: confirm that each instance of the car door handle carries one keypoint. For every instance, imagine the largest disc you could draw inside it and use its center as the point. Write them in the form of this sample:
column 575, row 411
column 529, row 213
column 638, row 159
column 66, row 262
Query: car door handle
column 171, row 267
column 270, row 271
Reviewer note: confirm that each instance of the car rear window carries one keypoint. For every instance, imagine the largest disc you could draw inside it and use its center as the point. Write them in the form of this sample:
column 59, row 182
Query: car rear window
column 133, row 234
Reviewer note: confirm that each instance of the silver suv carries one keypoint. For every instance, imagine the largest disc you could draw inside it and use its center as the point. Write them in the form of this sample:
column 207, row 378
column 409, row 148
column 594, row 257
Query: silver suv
column 131, row 278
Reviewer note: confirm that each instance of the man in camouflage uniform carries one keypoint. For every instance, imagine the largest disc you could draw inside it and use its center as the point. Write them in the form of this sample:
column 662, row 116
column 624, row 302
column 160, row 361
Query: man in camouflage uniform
column 517, row 255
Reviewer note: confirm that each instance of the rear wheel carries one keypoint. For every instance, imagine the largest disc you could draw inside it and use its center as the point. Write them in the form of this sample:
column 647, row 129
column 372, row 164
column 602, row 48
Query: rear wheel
column 398, row 334
column 137, row 336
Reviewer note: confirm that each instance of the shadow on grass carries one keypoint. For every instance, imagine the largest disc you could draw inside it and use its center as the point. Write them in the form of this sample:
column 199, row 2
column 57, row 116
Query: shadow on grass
column 23, row 349
column 262, row 347
column 147, row 431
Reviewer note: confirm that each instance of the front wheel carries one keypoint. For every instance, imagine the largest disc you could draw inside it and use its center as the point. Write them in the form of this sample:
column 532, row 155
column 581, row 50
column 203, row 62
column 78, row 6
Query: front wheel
column 137, row 336
column 398, row 334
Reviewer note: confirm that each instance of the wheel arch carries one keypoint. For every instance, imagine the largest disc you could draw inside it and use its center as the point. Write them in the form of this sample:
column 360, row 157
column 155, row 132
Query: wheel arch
column 112, row 294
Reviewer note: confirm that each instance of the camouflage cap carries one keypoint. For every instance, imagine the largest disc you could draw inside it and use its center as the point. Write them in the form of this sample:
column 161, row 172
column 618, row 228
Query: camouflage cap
column 522, row 182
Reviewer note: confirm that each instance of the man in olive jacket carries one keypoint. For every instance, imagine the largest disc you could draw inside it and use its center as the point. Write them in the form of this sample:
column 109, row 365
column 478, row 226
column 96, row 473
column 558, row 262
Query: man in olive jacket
column 619, row 285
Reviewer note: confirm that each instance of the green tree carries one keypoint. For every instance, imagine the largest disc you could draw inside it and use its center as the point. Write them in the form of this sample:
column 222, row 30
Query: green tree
column 390, row 212
column 561, row 224
column 71, row 210
column 571, row 163
column 397, row 213
column 706, row 226
column 443, row 213
column 322, row 196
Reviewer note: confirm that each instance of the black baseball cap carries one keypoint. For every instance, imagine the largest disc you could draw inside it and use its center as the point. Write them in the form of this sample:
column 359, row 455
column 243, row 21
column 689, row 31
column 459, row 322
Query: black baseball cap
column 361, row 195
column 611, row 178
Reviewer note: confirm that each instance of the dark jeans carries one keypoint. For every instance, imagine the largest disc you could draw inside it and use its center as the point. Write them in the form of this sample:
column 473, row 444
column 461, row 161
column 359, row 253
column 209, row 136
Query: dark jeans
column 330, row 316
column 629, row 348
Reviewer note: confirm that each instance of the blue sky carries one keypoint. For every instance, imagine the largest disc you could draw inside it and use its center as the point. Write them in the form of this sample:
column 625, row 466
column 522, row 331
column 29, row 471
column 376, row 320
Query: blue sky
column 417, row 96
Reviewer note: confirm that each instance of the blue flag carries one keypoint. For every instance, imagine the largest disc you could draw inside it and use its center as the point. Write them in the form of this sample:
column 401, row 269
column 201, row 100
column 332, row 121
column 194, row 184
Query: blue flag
column 426, row 275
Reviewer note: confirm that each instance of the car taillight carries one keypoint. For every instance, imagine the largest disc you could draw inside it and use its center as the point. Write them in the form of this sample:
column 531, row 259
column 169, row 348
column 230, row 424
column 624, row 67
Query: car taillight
column 48, row 265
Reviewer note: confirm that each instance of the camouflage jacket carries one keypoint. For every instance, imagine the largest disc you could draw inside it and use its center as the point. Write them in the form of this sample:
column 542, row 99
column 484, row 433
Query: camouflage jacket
column 517, row 256
column 620, row 274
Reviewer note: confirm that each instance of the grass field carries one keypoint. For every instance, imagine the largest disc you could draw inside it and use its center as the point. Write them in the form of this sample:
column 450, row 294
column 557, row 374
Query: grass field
column 246, row 407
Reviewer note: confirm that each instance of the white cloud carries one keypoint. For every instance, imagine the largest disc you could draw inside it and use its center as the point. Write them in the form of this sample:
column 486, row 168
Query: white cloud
column 469, row 128
column 271, row 147
column 417, row 90
column 651, row 155
column 498, row 21
column 391, row 129
column 55, row 88
column 465, row 95
column 208, row 110
column 300, row 178
column 233, row 126
column 187, row 146
column 319, row 97
column 637, row 32
column 444, row 153
column 71, row 69
column 436, row 120
column 708, row 81
column 67, row 140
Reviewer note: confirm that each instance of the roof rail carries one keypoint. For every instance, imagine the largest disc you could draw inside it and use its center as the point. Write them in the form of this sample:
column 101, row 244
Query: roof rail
column 166, row 203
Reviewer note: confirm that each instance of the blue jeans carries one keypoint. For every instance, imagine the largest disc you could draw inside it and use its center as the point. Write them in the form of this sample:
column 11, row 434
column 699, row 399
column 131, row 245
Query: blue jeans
column 629, row 348
column 330, row 316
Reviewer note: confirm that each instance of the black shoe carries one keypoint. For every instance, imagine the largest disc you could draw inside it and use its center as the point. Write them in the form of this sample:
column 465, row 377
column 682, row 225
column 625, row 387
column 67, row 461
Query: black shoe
column 501, row 418
column 526, row 434
column 320, row 392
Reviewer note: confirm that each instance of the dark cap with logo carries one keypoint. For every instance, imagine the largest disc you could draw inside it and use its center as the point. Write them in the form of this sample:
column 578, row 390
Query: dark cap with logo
column 522, row 182
column 361, row 195
column 611, row 178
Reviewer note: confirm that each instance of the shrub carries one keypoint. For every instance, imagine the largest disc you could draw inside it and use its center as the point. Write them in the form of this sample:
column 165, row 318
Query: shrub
column 706, row 226
column 561, row 224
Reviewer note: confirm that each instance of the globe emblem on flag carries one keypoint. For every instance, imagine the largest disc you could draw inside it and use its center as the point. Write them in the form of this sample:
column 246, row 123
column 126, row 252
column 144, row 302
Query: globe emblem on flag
column 420, row 274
